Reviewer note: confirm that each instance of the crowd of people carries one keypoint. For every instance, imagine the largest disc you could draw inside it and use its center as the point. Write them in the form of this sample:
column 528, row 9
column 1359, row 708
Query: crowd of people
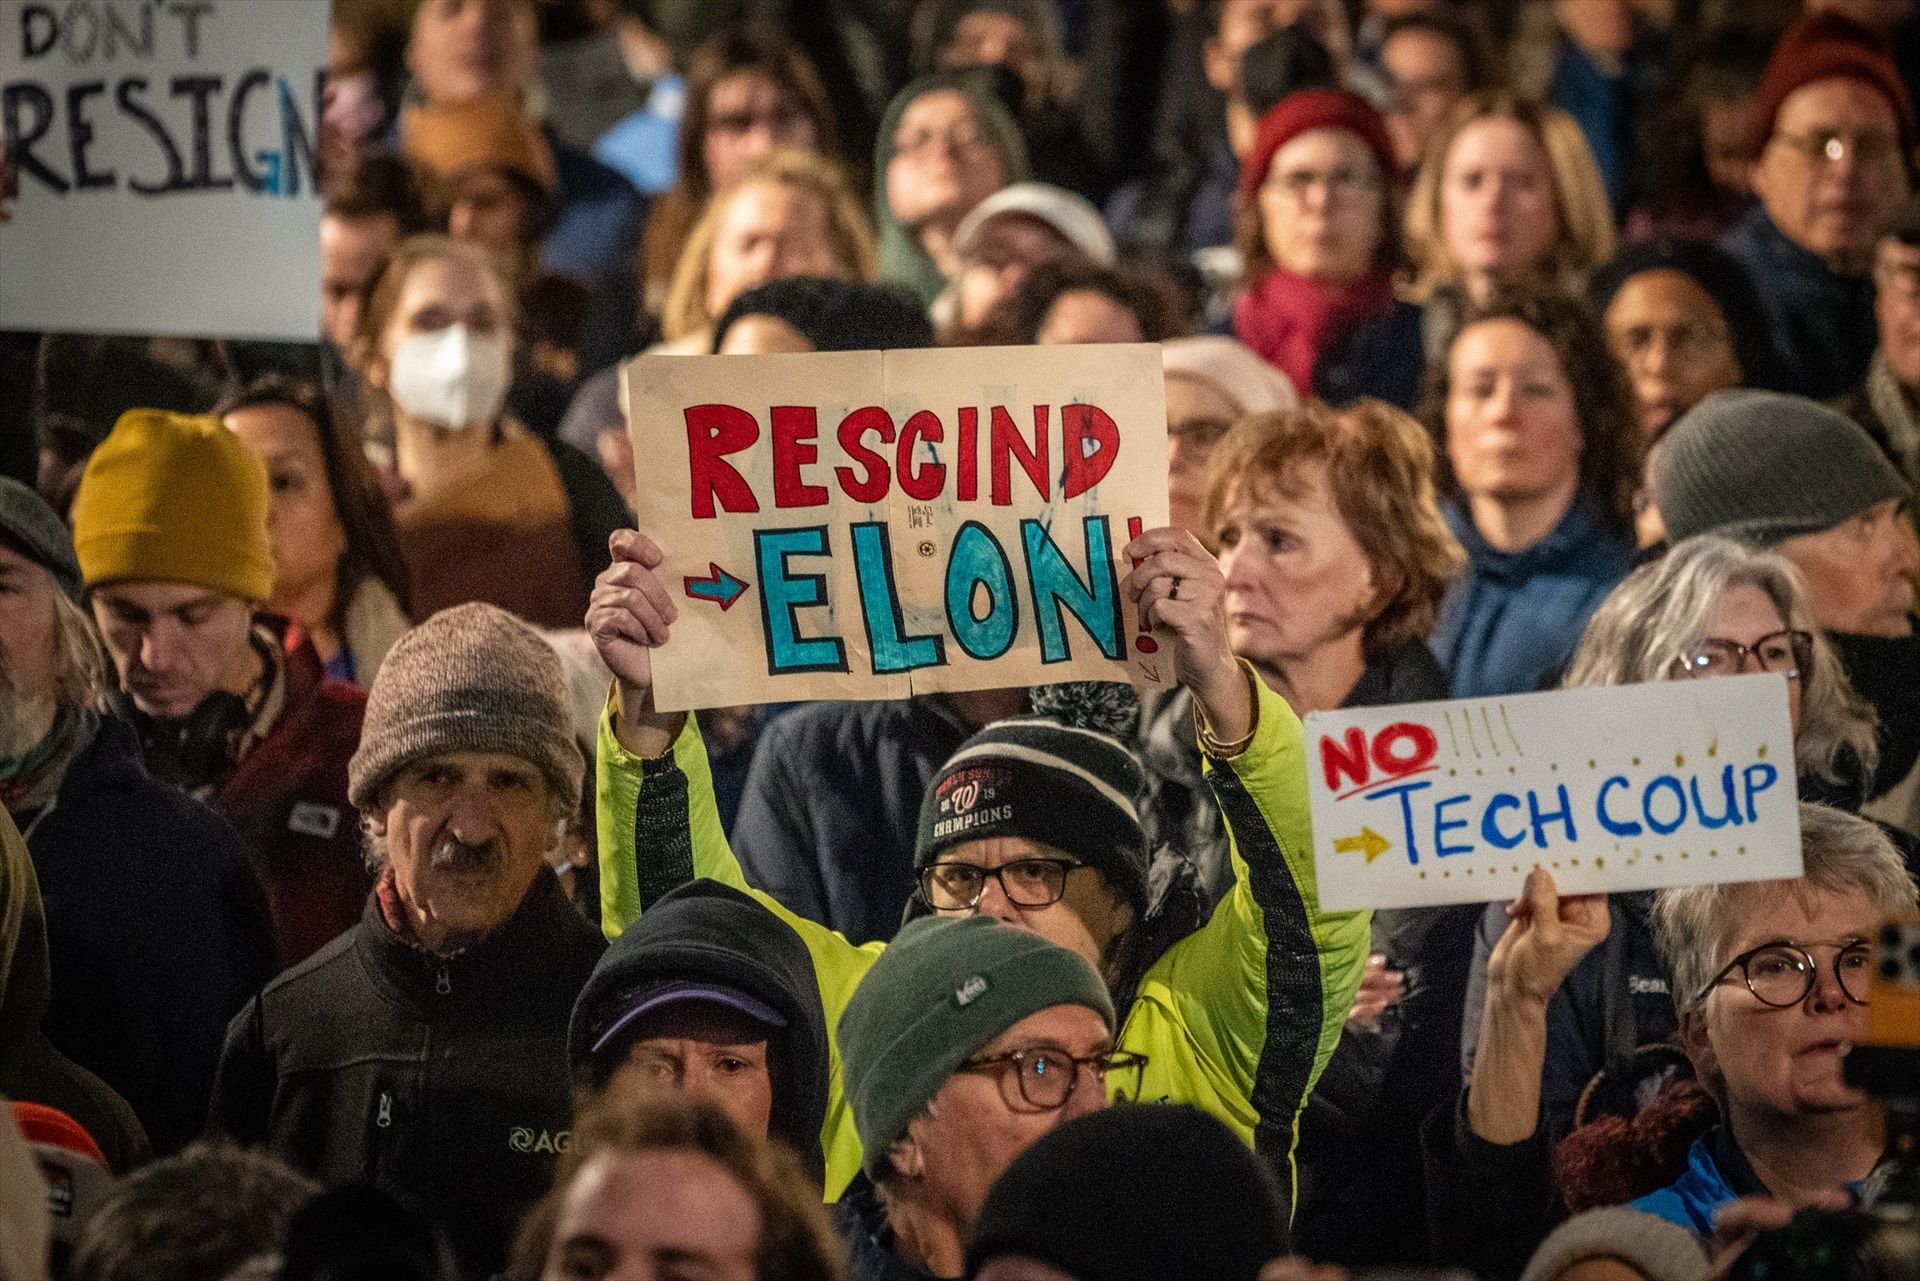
column 361, row 915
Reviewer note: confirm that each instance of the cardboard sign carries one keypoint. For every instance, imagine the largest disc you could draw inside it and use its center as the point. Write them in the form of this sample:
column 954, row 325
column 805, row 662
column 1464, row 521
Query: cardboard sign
column 1610, row 788
column 164, row 156
column 876, row 524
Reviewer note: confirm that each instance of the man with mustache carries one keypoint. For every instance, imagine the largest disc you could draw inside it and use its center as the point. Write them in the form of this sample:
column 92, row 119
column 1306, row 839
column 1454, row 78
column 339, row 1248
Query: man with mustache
column 425, row 1050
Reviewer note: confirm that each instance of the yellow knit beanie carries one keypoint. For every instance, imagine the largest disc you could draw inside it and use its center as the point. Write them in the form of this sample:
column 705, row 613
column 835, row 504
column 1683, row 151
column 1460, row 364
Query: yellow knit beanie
column 174, row 498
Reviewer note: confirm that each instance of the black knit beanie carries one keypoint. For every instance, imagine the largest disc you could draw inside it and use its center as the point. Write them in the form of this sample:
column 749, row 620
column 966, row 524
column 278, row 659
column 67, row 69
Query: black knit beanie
column 1071, row 787
column 835, row 315
column 1138, row 1192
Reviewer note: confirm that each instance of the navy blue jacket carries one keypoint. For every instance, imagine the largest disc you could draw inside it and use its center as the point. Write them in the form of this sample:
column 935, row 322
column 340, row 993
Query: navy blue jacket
column 1822, row 321
column 1511, row 621
column 1384, row 358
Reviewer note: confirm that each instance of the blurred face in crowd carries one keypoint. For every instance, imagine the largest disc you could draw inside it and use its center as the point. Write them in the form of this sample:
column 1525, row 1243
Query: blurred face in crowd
column 1009, row 247
column 1299, row 585
column 768, row 231
column 986, row 39
column 1513, row 433
column 29, row 653
column 1198, row 415
column 1497, row 209
column 1746, row 615
column 659, row 1215
column 760, row 335
column 302, row 521
column 942, row 164
column 1598, row 26
column 1896, row 306
column 1428, row 75
column 487, row 207
column 1831, row 175
column 1673, row 340
column 172, row 644
column 1785, row 1063
column 352, row 253
column 439, row 293
column 460, row 50
column 1088, row 917
column 705, row 1050
column 1243, row 24
column 465, row 833
column 979, row 1121
column 1323, row 205
column 1727, row 126
column 1086, row 315
column 1859, row 574
column 748, row 115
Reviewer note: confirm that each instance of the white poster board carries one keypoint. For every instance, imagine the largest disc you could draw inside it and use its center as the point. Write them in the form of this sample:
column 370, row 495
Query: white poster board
column 877, row 524
column 1610, row 788
column 163, row 153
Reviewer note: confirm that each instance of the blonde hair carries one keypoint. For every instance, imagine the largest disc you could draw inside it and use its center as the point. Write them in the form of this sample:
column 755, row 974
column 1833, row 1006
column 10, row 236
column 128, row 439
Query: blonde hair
column 1380, row 475
column 849, row 232
column 1585, row 237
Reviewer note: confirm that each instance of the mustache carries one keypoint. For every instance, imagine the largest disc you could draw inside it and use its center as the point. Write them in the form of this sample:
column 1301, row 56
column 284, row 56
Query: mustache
column 452, row 854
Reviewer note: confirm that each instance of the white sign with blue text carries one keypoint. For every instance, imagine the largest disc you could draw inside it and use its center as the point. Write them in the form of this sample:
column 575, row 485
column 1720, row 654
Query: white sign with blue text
column 1610, row 788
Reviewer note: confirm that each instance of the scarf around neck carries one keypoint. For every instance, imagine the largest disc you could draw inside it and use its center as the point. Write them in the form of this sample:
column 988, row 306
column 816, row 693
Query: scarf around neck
column 1292, row 322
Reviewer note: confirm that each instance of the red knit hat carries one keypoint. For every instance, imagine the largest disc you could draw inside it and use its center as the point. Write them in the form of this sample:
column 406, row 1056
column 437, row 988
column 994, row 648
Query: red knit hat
column 1297, row 113
column 1825, row 46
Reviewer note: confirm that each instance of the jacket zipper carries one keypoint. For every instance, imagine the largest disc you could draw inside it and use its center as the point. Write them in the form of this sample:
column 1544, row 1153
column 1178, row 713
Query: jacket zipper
column 385, row 1119
column 442, row 982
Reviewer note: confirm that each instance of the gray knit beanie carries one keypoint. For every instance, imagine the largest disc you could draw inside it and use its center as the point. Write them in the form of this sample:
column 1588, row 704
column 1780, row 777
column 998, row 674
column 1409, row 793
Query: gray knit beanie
column 33, row 529
column 1760, row 466
column 472, row 678
column 1650, row 1245
column 944, row 988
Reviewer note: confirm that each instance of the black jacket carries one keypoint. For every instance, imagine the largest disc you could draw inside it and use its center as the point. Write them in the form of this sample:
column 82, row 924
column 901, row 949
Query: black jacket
column 708, row 932
column 157, row 929
column 441, row 1079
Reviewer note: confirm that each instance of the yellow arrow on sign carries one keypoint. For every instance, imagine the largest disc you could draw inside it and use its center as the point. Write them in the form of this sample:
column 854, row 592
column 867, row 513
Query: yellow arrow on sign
column 1369, row 842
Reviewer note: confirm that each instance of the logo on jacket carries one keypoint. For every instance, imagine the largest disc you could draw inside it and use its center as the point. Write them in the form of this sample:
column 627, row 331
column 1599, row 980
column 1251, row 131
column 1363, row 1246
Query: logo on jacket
column 309, row 819
column 523, row 1139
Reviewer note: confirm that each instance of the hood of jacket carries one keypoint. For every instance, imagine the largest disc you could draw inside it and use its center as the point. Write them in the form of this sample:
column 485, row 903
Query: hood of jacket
column 26, row 982
column 708, row 932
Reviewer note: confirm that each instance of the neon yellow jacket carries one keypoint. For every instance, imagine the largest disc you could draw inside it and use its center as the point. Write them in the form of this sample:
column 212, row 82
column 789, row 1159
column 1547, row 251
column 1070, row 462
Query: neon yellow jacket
column 1238, row 1017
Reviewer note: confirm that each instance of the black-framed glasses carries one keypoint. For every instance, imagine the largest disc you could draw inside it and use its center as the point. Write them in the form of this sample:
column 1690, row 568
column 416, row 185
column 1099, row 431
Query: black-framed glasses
column 1046, row 1077
column 1781, row 974
column 1788, row 653
column 1027, row 882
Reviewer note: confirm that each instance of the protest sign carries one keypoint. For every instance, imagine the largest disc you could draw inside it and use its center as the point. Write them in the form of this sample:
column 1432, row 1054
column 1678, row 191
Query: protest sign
column 876, row 524
column 164, row 154
column 1609, row 788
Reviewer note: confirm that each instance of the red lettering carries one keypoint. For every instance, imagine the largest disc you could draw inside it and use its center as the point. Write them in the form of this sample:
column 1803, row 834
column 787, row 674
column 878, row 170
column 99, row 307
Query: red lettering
column 1008, row 446
column 792, row 426
column 713, row 432
column 1421, row 747
column 1350, row 759
column 852, row 428
column 1078, row 425
column 969, row 486
column 922, row 483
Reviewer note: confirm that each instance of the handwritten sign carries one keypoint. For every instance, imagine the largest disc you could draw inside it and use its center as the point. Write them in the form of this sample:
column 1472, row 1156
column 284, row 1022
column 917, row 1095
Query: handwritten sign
column 164, row 156
column 1610, row 788
column 876, row 524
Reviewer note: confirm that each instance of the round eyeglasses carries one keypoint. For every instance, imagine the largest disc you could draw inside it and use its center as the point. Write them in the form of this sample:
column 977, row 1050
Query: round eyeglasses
column 1788, row 653
column 1782, row 974
column 1046, row 1078
column 1027, row 882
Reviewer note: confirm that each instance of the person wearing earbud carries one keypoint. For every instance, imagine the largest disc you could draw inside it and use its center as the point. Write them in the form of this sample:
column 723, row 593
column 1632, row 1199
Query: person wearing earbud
column 231, row 703
column 425, row 1051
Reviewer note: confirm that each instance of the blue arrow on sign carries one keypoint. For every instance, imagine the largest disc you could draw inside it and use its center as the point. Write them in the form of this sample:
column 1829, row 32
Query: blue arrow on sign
column 718, row 586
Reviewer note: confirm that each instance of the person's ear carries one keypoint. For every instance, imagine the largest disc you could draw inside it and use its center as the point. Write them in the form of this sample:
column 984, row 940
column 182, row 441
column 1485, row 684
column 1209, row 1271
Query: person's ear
column 1218, row 64
column 1692, row 1032
column 907, row 1157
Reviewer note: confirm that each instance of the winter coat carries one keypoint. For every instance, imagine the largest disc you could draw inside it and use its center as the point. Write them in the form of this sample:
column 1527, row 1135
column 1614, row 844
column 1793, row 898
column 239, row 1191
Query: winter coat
column 31, row 1070
column 1383, row 358
column 157, row 928
column 1822, row 321
column 861, row 1218
column 830, row 817
column 706, row 932
column 1237, row 1017
column 1717, row 1172
column 1510, row 623
column 441, row 1079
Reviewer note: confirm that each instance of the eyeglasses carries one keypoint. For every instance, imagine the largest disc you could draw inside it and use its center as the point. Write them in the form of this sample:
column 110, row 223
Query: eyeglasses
column 1825, row 146
column 1682, row 339
column 1789, row 653
column 780, row 122
column 1027, row 882
column 1047, row 1077
column 959, row 138
column 1341, row 184
column 1781, row 974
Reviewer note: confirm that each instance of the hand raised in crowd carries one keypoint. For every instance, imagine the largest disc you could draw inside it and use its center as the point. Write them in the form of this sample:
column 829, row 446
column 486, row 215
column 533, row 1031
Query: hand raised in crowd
column 1180, row 590
column 1381, row 988
column 628, row 617
column 1546, row 936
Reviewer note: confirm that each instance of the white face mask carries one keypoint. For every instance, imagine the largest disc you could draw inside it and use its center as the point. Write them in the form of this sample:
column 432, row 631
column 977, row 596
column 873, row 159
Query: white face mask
column 451, row 377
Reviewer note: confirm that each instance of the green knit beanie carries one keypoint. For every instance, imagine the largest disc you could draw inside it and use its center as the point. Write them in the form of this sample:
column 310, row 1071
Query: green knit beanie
column 943, row 989
column 1760, row 466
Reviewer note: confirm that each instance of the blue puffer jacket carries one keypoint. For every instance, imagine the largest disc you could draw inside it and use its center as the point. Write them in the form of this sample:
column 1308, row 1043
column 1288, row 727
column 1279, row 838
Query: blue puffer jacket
column 1510, row 623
